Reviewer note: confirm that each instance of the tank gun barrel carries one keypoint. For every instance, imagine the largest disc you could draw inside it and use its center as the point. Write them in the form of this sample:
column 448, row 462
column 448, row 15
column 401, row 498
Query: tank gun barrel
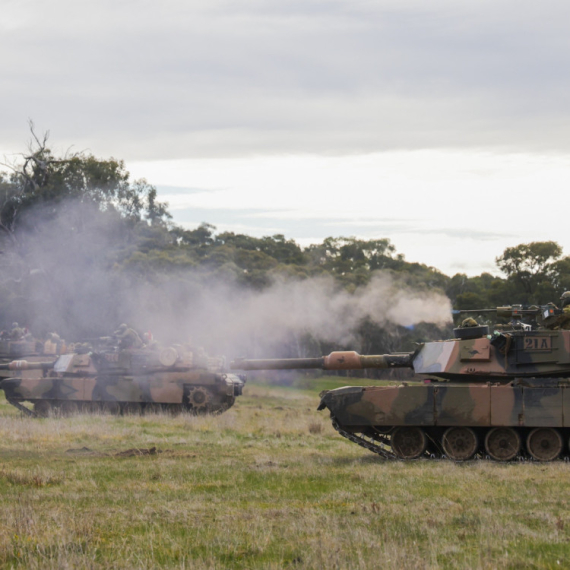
column 473, row 311
column 25, row 365
column 515, row 311
column 345, row 360
column 277, row 363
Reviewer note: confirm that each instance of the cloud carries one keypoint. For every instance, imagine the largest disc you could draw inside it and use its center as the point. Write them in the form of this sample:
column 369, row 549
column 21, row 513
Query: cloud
column 145, row 80
column 167, row 191
column 261, row 222
column 465, row 233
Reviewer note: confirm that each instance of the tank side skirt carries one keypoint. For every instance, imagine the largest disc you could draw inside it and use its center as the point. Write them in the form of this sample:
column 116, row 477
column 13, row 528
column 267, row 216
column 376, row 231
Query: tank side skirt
column 446, row 406
column 521, row 408
column 380, row 443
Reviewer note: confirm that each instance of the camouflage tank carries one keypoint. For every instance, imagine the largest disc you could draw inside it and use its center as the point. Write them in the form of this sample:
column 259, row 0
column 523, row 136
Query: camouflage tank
column 123, row 381
column 505, row 395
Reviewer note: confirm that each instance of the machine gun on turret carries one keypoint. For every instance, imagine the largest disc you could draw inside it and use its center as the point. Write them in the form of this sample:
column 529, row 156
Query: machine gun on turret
column 514, row 311
column 544, row 316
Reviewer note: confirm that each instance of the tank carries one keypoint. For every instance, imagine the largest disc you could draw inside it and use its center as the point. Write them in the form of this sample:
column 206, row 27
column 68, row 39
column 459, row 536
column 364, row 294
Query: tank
column 122, row 381
column 504, row 395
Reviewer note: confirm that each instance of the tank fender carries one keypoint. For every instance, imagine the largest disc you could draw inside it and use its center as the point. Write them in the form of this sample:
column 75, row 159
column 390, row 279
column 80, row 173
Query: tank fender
column 327, row 396
column 233, row 383
column 10, row 385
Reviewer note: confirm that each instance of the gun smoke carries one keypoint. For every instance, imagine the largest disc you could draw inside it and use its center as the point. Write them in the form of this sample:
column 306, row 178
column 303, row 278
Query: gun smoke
column 254, row 321
column 78, row 290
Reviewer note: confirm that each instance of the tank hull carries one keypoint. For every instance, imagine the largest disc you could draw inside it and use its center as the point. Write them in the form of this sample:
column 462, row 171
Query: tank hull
column 458, row 421
column 199, row 392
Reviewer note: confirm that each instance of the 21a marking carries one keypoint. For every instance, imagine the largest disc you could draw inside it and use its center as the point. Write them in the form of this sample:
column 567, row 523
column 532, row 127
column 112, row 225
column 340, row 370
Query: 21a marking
column 538, row 343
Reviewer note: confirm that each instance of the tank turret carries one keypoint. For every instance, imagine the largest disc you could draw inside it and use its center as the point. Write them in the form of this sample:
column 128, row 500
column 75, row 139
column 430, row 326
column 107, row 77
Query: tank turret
column 500, row 357
column 171, row 378
column 505, row 395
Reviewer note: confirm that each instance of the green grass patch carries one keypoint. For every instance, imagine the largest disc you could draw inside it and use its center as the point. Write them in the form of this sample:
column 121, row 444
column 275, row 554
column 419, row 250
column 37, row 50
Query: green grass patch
column 269, row 484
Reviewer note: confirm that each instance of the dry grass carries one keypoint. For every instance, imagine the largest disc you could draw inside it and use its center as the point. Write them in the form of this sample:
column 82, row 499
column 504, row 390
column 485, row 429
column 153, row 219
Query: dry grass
column 269, row 484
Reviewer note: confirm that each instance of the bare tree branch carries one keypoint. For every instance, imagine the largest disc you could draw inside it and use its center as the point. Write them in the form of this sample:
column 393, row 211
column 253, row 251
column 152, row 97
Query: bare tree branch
column 42, row 144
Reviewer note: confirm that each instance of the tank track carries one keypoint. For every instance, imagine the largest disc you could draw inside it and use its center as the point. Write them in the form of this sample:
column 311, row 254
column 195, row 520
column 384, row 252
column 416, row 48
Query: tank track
column 375, row 445
column 23, row 409
column 380, row 445
column 123, row 408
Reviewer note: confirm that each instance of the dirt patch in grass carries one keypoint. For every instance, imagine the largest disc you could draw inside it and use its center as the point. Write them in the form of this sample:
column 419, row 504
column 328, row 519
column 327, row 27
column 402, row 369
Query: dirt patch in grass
column 82, row 451
column 134, row 451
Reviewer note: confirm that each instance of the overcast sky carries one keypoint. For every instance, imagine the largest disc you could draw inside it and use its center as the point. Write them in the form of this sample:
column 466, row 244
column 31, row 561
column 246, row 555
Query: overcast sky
column 442, row 125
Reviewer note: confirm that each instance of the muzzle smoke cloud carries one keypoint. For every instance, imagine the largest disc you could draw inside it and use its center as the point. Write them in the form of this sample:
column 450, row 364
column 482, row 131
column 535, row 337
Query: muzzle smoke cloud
column 78, row 291
column 228, row 315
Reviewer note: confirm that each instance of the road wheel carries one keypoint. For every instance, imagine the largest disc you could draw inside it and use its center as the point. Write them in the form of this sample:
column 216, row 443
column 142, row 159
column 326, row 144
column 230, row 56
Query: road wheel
column 111, row 407
column 173, row 409
column 89, row 408
column 68, row 408
column 502, row 443
column 544, row 444
column 42, row 408
column 460, row 443
column 131, row 409
column 152, row 408
column 408, row 442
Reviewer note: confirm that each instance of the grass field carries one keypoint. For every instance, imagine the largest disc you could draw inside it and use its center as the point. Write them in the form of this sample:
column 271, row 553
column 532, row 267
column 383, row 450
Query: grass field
column 269, row 484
